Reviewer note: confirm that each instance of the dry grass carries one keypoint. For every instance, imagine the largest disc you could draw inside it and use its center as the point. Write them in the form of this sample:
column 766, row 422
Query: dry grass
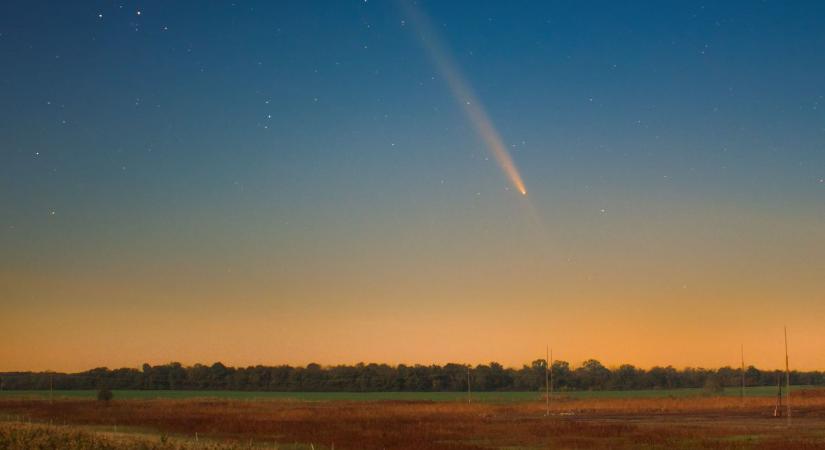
column 711, row 423
column 23, row 436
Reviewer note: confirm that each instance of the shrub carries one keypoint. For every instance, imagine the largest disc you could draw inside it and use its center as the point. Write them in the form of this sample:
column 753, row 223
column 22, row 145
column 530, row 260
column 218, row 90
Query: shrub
column 104, row 395
column 713, row 385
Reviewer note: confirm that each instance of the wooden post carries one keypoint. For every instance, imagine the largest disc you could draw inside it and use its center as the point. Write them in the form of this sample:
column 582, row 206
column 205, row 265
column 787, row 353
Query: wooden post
column 787, row 379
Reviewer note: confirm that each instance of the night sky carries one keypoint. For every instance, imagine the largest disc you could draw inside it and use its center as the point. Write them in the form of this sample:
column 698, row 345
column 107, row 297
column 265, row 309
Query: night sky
column 289, row 182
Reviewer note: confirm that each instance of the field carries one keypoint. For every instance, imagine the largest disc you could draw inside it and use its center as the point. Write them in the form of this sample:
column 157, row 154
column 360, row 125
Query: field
column 683, row 421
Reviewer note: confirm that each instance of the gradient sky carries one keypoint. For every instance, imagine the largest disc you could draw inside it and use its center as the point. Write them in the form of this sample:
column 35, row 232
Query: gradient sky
column 288, row 182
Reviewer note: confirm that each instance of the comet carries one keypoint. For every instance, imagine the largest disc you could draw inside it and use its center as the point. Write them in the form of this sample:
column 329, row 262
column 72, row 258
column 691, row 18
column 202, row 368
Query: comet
column 464, row 95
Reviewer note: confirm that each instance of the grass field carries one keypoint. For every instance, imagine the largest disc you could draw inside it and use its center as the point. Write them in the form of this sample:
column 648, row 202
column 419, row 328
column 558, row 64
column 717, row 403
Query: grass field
column 759, row 391
column 683, row 422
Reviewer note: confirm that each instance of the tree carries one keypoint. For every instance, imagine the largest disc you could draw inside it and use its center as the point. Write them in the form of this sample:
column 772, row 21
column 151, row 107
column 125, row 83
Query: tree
column 562, row 375
column 626, row 377
column 593, row 375
column 382, row 377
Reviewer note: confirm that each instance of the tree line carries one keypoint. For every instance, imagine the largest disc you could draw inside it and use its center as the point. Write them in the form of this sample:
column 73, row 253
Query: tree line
column 590, row 375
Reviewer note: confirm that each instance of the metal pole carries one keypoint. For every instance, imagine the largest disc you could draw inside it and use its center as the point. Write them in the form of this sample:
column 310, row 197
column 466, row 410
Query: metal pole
column 787, row 378
column 743, row 374
column 469, row 391
column 777, row 412
column 547, row 380
column 551, row 373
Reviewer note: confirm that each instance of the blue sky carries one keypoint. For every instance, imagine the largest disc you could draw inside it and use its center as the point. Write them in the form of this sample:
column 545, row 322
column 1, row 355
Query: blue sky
column 294, row 138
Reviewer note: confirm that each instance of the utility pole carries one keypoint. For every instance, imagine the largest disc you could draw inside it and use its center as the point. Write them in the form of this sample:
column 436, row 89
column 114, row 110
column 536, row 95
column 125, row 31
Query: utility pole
column 787, row 378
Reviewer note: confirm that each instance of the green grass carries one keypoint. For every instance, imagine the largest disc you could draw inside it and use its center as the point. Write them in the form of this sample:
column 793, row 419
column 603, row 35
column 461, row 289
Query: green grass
column 759, row 391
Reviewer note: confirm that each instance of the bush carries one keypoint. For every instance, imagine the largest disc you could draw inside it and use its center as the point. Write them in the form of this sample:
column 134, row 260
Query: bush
column 104, row 395
column 713, row 385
